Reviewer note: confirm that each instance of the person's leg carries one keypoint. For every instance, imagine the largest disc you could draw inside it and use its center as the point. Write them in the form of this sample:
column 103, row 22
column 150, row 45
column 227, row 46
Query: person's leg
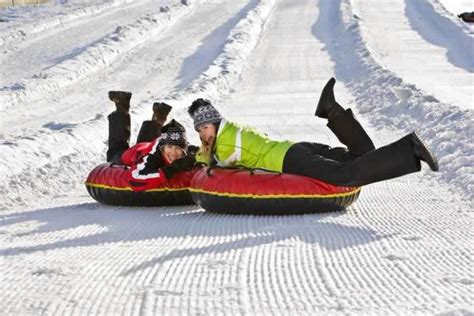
column 343, row 122
column 119, row 126
column 149, row 131
column 391, row 161
column 340, row 154
column 119, row 136
column 349, row 132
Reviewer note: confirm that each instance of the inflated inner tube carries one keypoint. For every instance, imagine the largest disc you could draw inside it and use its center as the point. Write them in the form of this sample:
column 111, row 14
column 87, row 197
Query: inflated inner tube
column 107, row 184
column 239, row 191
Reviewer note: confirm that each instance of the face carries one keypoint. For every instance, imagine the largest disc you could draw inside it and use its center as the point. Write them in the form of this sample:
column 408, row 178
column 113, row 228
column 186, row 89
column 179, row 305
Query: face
column 207, row 132
column 172, row 152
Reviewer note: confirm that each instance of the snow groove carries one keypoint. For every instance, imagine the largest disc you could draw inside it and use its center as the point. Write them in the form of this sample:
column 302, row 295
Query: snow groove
column 94, row 58
column 414, row 35
column 224, row 72
column 66, row 14
column 458, row 40
column 216, row 262
column 404, row 248
column 464, row 30
column 393, row 103
column 221, row 75
column 49, row 163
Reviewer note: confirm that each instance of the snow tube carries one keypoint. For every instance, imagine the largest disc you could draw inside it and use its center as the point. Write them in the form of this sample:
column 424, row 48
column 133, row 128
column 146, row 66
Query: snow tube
column 107, row 184
column 239, row 191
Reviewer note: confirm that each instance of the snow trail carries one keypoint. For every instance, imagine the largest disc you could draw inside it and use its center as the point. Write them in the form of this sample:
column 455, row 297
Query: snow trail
column 92, row 58
column 455, row 8
column 392, row 102
column 403, row 248
column 22, row 167
column 418, row 29
column 37, row 53
column 21, row 22
column 372, row 268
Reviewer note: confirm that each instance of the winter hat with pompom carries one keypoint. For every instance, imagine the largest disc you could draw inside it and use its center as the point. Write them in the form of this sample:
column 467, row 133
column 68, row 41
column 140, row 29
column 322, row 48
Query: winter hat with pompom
column 202, row 112
column 173, row 133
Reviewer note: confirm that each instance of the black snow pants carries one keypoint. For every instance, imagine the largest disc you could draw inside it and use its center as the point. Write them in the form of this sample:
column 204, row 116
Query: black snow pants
column 358, row 164
column 119, row 135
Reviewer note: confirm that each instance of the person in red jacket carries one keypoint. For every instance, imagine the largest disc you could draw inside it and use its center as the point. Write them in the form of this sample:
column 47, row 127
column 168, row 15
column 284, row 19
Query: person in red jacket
column 160, row 152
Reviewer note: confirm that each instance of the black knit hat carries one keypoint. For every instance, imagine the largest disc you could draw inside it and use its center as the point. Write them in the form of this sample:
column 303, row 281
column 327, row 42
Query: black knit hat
column 202, row 111
column 173, row 133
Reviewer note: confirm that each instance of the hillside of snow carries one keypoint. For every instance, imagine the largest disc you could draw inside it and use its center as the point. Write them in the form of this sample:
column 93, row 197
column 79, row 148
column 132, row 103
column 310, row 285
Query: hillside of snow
column 404, row 248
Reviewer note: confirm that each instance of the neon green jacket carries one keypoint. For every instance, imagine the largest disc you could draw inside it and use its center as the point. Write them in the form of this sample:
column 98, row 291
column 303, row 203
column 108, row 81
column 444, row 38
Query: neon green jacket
column 242, row 146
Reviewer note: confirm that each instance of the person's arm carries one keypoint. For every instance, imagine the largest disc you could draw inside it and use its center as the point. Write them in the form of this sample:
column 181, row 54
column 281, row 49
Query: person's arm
column 143, row 178
column 147, row 174
column 185, row 163
column 152, row 172
column 203, row 159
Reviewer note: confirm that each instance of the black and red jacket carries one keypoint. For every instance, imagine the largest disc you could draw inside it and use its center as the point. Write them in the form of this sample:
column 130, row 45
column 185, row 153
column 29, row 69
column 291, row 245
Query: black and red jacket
column 145, row 161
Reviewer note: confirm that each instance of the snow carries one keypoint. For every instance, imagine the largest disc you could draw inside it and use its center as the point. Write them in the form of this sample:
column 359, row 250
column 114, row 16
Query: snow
column 422, row 33
column 457, row 7
column 403, row 248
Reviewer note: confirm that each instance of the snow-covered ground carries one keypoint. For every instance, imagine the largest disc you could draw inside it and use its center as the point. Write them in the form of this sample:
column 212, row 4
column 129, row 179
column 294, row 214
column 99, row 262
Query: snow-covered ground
column 459, row 6
column 405, row 247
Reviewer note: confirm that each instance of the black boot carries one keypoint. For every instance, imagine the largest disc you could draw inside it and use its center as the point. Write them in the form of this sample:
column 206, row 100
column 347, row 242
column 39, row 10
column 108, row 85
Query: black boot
column 327, row 105
column 151, row 129
column 423, row 153
column 121, row 99
column 160, row 112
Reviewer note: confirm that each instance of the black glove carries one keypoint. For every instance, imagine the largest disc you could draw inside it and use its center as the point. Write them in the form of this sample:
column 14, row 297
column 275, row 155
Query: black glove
column 193, row 150
column 182, row 164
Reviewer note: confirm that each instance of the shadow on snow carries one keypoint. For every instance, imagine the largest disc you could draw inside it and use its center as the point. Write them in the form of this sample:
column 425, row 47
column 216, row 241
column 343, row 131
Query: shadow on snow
column 123, row 224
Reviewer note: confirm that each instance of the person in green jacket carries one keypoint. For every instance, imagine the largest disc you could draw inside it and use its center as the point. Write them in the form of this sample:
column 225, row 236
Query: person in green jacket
column 227, row 144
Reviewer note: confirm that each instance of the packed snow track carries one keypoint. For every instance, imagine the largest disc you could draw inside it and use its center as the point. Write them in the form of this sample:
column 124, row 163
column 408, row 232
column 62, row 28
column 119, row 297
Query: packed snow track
column 404, row 248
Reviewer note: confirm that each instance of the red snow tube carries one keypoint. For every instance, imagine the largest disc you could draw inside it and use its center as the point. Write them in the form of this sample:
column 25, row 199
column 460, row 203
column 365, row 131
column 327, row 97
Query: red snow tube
column 259, row 192
column 107, row 184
